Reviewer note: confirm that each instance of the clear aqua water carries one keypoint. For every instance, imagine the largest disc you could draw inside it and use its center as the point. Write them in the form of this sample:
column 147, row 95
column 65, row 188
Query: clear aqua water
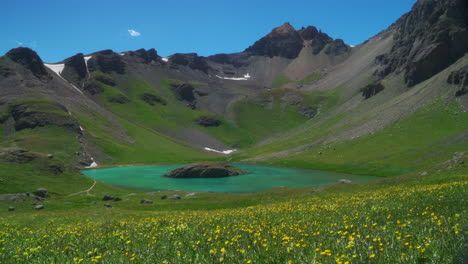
column 260, row 178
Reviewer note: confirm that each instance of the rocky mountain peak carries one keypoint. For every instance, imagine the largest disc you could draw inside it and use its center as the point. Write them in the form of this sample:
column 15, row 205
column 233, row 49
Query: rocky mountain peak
column 77, row 63
column 28, row 58
column 106, row 61
column 283, row 41
column 146, row 55
column 284, row 30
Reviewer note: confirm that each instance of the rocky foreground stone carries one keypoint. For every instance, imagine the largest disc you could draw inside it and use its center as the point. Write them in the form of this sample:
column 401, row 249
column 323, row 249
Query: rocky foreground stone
column 205, row 170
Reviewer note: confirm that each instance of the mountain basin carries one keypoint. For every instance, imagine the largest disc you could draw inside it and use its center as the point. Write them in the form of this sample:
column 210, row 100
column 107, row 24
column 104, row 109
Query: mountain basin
column 259, row 178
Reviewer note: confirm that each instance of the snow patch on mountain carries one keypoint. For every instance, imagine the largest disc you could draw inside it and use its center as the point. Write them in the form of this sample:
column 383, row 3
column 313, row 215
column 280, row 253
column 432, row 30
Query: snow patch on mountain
column 58, row 68
column 229, row 151
column 165, row 59
column 245, row 78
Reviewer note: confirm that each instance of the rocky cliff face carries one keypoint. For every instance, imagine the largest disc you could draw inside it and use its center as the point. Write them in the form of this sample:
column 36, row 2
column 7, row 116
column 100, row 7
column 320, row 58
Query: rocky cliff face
column 29, row 59
column 106, row 61
column 283, row 41
column 428, row 39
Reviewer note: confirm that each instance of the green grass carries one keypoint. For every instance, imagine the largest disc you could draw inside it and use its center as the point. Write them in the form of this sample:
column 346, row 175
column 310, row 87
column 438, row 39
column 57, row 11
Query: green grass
column 412, row 219
column 282, row 80
column 428, row 136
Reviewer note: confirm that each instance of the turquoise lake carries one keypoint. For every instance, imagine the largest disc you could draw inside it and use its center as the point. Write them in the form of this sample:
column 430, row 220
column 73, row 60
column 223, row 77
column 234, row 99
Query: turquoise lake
column 260, row 178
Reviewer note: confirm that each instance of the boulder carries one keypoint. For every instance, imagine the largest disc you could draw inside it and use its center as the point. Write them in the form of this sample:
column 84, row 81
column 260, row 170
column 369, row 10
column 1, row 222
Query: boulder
column 164, row 197
column 108, row 205
column 39, row 207
column 41, row 192
column 144, row 201
column 11, row 209
column 176, row 197
column 205, row 170
column 108, row 197
column 344, row 181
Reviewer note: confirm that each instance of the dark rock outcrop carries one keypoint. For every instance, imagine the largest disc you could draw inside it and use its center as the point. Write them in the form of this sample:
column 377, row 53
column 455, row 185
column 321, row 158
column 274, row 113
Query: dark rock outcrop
column 6, row 72
column 29, row 59
column 318, row 38
column 205, row 170
column 235, row 59
column 120, row 99
column 106, row 61
column 307, row 111
column 38, row 114
column 75, row 66
column 93, row 88
column 16, row 155
column 460, row 78
column 152, row 99
column 371, row 89
column 337, row 47
column 208, row 121
column 144, row 201
column 184, row 92
column 283, row 41
column 427, row 39
column 191, row 60
column 41, row 192
column 146, row 56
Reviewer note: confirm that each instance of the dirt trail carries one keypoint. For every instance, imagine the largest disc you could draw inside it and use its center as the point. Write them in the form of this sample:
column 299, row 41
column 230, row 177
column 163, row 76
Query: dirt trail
column 85, row 191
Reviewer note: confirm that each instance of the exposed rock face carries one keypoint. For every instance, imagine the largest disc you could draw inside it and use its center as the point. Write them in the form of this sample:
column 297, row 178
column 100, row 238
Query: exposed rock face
column 184, row 92
column 41, row 192
column 28, row 58
column 93, row 88
column 337, row 47
column 147, row 56
column 460, row 77
column 208, row 121
column 205, row 170
column 307, row 111
column 31, row 115
column 119, row 99
column 144, row 201
column 152, row 99
column 6, row 72
column 319, row 39
column 283, row 41
column 106, row 61
column 192, row 60
column 75, row 66
column 235, row 59
column 371, row 89
column 16, row 155
column 428, row 39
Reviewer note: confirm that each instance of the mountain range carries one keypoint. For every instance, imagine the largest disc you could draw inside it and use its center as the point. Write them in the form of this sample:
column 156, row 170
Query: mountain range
column 296, row 97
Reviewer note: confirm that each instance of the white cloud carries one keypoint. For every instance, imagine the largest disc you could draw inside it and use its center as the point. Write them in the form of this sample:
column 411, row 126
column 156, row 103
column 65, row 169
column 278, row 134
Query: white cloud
column 19, row 43
column 134, row 33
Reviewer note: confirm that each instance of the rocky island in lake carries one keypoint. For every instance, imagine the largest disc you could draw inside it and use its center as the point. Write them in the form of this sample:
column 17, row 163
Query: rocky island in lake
column 205, row 170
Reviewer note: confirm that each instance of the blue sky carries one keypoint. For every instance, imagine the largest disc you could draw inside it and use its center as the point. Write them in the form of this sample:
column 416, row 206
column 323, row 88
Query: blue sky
column 57, row 29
